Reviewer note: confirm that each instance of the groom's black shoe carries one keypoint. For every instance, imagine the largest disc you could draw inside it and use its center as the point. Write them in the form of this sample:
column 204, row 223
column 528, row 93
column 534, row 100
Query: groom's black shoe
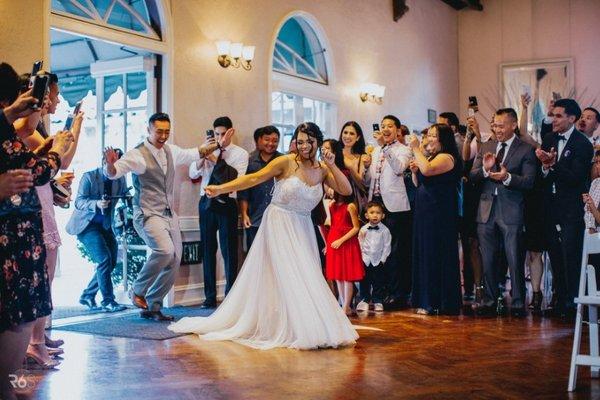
column 156, row 315
column 208, row 304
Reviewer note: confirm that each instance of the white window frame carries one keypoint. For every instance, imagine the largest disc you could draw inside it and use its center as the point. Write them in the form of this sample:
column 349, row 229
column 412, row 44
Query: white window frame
column 99, row 70
column 102, row 21
column 280, row 82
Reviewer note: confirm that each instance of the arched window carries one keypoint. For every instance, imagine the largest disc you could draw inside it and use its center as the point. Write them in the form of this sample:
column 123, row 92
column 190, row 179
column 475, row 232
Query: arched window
column 299, row 53
column 135, row 16
column 301, row 78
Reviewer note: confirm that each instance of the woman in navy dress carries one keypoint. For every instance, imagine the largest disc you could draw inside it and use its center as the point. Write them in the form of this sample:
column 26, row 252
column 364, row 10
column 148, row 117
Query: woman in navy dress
column 436, row 272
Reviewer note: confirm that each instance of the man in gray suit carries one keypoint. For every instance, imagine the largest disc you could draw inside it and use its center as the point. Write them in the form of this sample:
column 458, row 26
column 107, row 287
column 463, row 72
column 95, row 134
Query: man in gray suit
column 92, row 222
column 506, row 167
column 152, row 164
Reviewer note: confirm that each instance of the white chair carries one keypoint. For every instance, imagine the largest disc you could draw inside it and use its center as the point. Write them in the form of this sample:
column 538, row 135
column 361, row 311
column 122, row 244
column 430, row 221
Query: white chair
column 591, row 245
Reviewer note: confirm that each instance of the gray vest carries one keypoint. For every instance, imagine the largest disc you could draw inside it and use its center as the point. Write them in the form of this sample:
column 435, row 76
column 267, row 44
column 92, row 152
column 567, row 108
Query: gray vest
column 154, row 188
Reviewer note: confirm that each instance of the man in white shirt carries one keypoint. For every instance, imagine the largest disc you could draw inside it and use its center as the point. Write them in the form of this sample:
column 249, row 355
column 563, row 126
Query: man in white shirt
column 153, row 165
column 221, row 213
column 385, row 179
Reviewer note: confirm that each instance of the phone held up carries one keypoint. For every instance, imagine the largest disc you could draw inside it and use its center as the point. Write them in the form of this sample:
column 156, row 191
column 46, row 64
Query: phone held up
column 70, row 118
column 473, row 106
column 375, row 127
column 210, row 134
column 40, row 86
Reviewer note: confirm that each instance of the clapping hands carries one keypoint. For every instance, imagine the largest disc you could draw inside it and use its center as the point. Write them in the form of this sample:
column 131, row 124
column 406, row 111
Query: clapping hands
column 548, row 159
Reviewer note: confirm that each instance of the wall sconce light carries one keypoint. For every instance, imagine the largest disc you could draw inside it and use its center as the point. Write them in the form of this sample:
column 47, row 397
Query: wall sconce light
column 372, row 92
column 234, row 54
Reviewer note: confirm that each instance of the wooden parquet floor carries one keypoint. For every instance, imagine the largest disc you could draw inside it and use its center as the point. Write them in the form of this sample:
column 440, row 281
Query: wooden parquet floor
column 413, row 357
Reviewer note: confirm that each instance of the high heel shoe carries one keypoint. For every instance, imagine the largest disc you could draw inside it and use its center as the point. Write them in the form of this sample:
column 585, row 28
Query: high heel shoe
column 33, row 361
column 53, row 343
column 55, row 352
column 536, row 302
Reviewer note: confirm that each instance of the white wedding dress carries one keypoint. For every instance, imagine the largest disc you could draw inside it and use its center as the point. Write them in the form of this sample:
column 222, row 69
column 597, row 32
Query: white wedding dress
column 280, row 297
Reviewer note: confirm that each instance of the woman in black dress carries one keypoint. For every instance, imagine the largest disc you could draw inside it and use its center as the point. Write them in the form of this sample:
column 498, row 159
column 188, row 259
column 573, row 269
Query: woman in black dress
column 436, row 271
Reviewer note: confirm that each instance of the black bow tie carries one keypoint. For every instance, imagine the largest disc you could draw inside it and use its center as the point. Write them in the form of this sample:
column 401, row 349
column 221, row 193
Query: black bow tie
column 560, row 137
column 373, row 227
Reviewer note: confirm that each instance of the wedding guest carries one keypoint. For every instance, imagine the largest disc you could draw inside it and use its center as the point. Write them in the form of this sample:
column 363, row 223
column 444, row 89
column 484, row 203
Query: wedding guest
column 355, row 157
column 385, row 179
column 588, row 123
column 36, row 139
column 375, row 245
column 436, row 272
column 254, row 201
column 506, row 167
column 472, row 264
column 219, row 215
column 343, row 261
column 565, row 155
column 24, row 283
column 534, row 235
column 92, row 223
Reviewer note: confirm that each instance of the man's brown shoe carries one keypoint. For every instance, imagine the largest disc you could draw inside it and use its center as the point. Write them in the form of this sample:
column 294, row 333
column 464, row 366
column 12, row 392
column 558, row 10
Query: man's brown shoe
column 138, row 301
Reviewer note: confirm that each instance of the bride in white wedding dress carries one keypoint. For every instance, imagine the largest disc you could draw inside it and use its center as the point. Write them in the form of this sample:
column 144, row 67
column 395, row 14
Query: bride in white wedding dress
column 280, row 297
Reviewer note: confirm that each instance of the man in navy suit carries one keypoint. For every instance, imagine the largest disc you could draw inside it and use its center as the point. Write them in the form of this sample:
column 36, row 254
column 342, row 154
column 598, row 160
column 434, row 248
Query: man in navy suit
column 566, row 157
column 92, row 222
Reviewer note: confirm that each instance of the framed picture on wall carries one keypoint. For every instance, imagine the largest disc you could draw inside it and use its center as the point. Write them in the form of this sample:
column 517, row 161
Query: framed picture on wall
column 431, row 116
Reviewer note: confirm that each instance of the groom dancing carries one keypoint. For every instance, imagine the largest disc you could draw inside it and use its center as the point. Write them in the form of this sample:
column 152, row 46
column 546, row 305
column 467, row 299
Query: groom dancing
column 153, row 164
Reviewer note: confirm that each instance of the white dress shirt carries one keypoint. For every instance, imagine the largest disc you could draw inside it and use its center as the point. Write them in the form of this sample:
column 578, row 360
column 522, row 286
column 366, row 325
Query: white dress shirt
column 559, row 151
column 563, row 143
column 375, row 244
column 133, row 161
column 233, row 155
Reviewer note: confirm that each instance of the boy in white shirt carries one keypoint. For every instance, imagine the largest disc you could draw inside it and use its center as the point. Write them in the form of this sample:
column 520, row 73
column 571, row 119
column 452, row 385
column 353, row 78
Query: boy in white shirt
column 375, row 245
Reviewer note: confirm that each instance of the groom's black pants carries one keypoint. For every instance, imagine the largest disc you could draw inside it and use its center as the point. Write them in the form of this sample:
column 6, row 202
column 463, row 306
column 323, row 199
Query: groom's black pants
column 225, row 223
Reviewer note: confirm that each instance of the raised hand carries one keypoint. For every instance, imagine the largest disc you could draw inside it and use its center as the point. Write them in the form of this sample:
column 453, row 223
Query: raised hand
column 489, row 160
column 62, row 141
column 21, row 107
column 208, row 147
column 378, row 136
column 328, row 157
column 413, row 142
column 473, row 125
column 367, row 160
column 110, row 155
column 525, row 100
column 14, row 182
column 225, row 139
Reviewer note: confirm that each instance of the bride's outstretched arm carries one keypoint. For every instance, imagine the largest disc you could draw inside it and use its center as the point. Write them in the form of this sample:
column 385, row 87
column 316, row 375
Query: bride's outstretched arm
column 275, row 168
column 335, row 178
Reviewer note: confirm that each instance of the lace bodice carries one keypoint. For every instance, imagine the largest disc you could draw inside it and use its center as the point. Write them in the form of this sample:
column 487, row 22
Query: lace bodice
column 295, row 195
